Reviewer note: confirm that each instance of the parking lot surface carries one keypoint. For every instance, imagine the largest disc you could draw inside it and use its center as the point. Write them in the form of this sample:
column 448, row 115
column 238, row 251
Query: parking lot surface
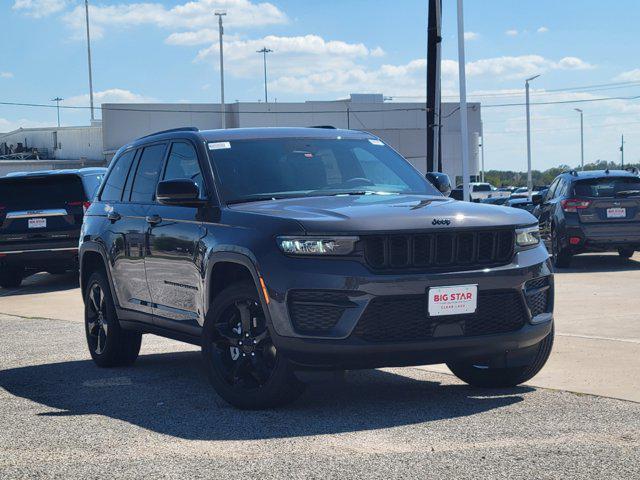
column 63, row 417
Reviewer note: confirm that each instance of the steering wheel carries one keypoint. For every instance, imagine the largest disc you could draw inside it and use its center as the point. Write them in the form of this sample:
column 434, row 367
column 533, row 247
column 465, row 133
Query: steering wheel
column 358, row 181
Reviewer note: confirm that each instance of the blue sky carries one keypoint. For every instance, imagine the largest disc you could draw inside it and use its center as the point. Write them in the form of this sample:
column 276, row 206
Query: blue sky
column 166, row 50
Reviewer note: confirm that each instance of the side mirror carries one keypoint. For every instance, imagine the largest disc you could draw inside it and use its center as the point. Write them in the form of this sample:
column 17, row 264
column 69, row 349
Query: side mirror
column 441, row 181
column 180, row 191
column 537, row 199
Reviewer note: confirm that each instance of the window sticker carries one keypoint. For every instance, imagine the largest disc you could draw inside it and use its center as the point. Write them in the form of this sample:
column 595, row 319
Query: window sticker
column 375, row 141
column 219, row 145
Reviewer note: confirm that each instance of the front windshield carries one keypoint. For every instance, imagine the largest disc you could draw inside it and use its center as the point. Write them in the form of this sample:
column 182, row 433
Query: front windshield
column 297, row 167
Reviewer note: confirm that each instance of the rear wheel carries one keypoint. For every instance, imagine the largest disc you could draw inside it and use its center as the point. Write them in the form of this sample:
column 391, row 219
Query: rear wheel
column 480, row 375
column 109, row 344
column 626, row 252
column 561, row 256
column 240, row 358
column 11, row 277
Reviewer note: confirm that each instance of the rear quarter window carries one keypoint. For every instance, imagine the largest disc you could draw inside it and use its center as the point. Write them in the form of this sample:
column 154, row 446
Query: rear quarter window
column 114, row 184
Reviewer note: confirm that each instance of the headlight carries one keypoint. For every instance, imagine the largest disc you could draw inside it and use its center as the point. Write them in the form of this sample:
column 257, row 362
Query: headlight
column 528, row 236
column 317, row 245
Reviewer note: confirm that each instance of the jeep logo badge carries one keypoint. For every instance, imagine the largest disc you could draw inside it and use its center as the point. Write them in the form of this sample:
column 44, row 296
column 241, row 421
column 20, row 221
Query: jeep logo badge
column 441, row 221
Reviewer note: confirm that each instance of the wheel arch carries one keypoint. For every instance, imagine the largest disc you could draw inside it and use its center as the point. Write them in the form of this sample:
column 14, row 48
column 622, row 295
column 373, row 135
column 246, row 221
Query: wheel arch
column 93, row 258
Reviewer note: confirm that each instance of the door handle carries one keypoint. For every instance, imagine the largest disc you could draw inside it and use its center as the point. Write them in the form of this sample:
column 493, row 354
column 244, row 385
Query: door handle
column 154, row 219
column 113, row 216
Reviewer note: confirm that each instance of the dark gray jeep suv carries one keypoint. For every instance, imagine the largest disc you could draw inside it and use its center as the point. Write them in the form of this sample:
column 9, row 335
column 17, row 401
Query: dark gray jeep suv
column 285, row 249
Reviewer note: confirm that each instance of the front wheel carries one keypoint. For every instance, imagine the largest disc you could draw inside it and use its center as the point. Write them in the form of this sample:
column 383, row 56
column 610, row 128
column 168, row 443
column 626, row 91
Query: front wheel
column 626, row 252
column 241, row 361
column 109, row 344
column 480, row 375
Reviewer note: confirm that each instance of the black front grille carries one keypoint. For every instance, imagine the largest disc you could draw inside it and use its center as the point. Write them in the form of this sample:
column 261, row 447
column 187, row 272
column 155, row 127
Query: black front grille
column 404, row 318
column 315, row 312
column 537, row 293
column 439, row 251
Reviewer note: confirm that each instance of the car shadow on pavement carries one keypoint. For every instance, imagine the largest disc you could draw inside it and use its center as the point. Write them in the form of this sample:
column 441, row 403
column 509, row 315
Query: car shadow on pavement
column 169, row 394
column 43, row 283
column 601, row 263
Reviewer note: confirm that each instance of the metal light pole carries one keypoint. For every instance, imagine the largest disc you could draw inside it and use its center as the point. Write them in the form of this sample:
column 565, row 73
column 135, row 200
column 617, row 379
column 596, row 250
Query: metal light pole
column 221, row 32
column 57, row 100
column 581, row 138
column 482, row 157
column 464, row 128
column 86, row 11
column 529, row 181
column 264, row 52
column 622, row 150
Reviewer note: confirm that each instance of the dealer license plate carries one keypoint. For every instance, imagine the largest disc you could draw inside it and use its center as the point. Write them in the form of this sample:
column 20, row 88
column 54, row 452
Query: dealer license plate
column 616, row 212
column 37, row 223
column 455, row 300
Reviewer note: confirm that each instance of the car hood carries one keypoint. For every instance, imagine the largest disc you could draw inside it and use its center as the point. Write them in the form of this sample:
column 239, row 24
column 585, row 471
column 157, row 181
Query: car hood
column 385, row 213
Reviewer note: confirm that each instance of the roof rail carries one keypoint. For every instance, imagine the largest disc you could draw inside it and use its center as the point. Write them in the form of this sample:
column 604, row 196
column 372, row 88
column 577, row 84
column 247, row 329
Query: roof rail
column 179, row 129
column 572, row 172
column 328, row 127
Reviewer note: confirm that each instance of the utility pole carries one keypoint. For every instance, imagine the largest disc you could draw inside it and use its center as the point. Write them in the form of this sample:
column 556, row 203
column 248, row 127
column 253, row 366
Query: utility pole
column 482, row 157
column 529, row 181
column 464, row 127
column 221, row 32
column 57, row 100
column 434, row 39
column 622, row 149
column 86, row 11
column 581, row 138
column 264, row 52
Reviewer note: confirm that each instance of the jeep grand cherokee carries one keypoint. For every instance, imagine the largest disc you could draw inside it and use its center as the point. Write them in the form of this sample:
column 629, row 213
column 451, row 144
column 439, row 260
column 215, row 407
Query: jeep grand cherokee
column 284, row 249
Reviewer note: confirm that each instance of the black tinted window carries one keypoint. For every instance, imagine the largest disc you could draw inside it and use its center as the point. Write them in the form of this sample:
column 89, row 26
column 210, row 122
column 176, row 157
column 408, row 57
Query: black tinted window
column 112, row 191
column 183, row 163
column 607, row 187
column 54, row 191
column 482, row 188
column 144, row 184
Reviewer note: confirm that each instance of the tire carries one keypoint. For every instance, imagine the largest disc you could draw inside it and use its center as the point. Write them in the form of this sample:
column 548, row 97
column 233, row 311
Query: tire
column 561, row 257
column 487, row 377
column 11, row 277
column 109, row 344
column 239, row 357
column 626, row 252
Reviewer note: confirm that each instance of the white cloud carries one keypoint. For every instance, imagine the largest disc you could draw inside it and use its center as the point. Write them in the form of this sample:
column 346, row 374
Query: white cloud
column 7, row 125
column 39, row 8
column 542, row 29
column 191, row 16
column 112, row 95
column 6, row 74
column 511, row 33
column 629, row 76
column 573, row 63
column 471, row 35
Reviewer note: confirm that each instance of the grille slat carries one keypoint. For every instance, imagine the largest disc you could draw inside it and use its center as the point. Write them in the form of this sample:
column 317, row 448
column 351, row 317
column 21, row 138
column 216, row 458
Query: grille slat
column 316, row 311
column 442, row 250
column 404, row 318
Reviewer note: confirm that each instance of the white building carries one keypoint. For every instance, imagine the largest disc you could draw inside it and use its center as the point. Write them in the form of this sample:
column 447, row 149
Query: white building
column 401, row 125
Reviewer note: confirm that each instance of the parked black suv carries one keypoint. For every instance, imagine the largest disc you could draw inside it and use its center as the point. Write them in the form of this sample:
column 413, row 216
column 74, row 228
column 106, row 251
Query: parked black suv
column 300, row 248
column 40, row 218
column 592, row 211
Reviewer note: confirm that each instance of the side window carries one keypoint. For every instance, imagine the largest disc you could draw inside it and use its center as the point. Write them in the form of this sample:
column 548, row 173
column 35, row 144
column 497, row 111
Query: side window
column 144, row 184
column 562, row 188
column 183, row 163
column 552, row 189
column 112, row 191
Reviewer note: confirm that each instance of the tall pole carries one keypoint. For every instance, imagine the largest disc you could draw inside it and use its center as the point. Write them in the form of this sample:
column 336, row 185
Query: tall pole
column 86, row 11
column 529, row 181
column 434, row 39
column 464, row 128
column 264, row 52
column 57, row 100
column 482, row 157
column 622, row 150
column 581, row 138
column 222, row 106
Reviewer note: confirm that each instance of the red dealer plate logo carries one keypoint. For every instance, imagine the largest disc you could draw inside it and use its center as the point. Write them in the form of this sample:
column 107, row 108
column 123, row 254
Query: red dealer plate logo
column 454, row 300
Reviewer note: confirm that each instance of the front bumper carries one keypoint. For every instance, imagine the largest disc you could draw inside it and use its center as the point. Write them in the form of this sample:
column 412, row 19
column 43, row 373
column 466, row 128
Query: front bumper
column 340, row 347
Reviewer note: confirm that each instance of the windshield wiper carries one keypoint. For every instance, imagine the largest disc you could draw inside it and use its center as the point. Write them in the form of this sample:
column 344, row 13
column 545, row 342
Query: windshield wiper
column 325, row 193
column 258, row 198
column 627, row 193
